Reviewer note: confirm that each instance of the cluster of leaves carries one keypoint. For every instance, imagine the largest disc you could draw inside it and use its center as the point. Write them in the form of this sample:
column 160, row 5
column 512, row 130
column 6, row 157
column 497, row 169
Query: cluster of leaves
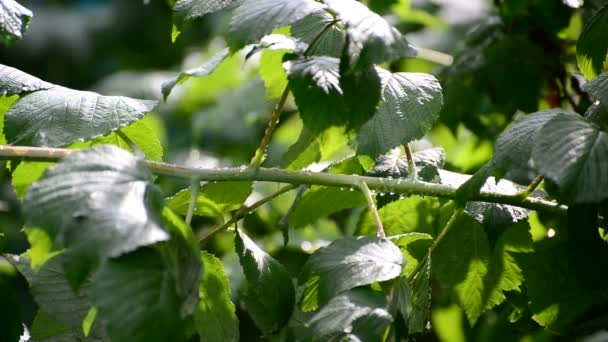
column 111, row 259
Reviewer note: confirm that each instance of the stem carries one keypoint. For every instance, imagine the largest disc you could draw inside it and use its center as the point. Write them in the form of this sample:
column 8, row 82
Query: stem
column 530, row 189
column 298, row 178
column 444, row 232
column 259, row 156
column 132, row 145
column 372, row 206
column 411, row 166
column 244, row 211
column 195, row 186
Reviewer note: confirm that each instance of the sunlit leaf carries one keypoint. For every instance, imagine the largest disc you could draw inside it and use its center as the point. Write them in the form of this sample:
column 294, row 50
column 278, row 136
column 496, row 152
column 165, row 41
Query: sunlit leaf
column 14, row 20
column 409, row 106
column 572, row 152
column 357, row 315
column 61, row 116
column 99, row 203
column 347, row 263
column 254, row 19
column 14, row 81
column 370, row 38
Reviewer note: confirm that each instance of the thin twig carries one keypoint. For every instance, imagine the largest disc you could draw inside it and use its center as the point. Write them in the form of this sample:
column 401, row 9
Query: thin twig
column 530, row 189
column 132, row 145
column 372, row 207
column 259, row 156
column 411, row 166
column 195, row 187
column 244, row 211
column 438, row 239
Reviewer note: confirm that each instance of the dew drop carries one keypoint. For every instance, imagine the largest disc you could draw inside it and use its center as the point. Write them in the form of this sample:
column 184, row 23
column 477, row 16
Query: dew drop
column 382, row 194
column 341, row 189
column 392, row 193
column 351, row 189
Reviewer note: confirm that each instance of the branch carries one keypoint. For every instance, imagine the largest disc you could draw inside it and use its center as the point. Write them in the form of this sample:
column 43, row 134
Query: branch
column 297, row 178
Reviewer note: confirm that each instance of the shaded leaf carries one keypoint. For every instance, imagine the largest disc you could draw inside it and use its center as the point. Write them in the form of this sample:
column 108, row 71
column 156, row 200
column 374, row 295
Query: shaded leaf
column 592, row 47
column 213, row 200
column 318, row 201
column 61, row 116
column 513, row 148
column 347, row 263
column 419, row 311
column 307, row 28
column 315, row 83
column 134, row 290
column 370, row 38
column 414, row 247
column 215, row 318
column 409, row 106
column 484, row 212
column 14, row 81
column 359, row 315
column 303, row 152
column 428, row 162
column 52, row 292
column 270, row 295
column 597, row 88
column 254, row 19
column 572, row 152
column 203, row 70
column 14, row 20
column 99, row 203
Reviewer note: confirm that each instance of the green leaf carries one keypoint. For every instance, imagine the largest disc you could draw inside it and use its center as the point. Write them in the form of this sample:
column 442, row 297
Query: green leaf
column 139, row 133
column 5, row 103
column 133, row 291
column 41, row 247
column 254, row 19
column 347, row 263
column 272, row 73
column 14, row 81
column 14, row 20
column 478, row 273
column 303, row 152
column 270, row 295
column 52, row 292
column 357, row 315
column 597, row 88
column 414, row 247
column 370, row 38
column 46, row 328
column 215, row 318
column 402, row 216
column 203, row 70
column 571, row 152
column 330, row 44
column 419, row 311
column 61, row 116
column 409, row 106
column 191, row 9
column 462, row 263
column 25, row 174
column 100, row 203
column 592, row 47
column 182, row 257
column 214, row 199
